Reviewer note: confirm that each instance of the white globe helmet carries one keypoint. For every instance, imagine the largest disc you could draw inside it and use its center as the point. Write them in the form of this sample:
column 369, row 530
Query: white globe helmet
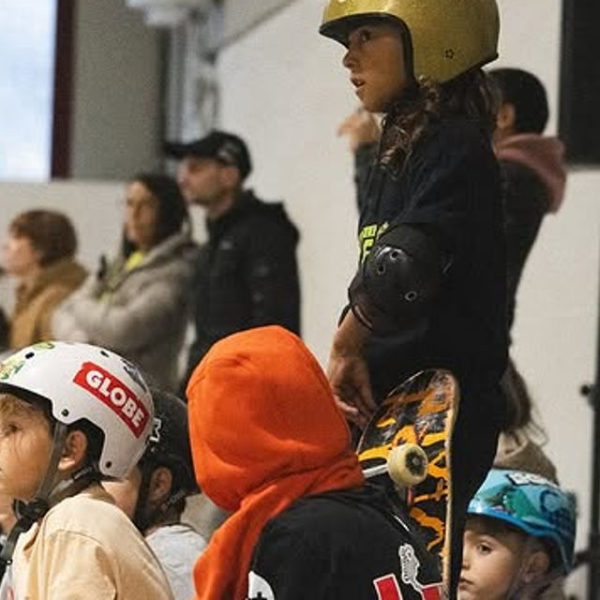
column 81, row 381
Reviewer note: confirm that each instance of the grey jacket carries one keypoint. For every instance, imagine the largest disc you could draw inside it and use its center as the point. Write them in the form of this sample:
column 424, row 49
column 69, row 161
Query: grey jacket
column 141, row 313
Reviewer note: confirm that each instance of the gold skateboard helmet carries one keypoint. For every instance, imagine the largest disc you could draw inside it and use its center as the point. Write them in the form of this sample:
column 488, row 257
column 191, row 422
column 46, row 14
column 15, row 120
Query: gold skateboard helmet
column 448, row 37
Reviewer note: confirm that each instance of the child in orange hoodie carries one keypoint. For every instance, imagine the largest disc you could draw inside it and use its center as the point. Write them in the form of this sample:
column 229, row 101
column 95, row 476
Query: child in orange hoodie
column 270, row 445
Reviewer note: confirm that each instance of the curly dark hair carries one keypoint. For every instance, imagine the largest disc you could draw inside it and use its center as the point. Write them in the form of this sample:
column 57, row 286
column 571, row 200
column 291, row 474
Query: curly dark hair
column 470, row 94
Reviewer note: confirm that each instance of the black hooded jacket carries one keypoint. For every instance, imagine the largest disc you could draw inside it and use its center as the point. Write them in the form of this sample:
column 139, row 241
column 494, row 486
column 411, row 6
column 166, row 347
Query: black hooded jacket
column 450, row 187
column 341, row 545
column 247, row 274
column 534, row 177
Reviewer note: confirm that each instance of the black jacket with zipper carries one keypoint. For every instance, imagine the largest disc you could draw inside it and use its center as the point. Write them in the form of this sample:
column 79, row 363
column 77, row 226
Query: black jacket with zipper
column 247, row 274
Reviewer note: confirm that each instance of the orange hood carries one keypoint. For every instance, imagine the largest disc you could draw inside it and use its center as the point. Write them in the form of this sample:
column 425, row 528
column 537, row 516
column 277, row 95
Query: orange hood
column 265, row 431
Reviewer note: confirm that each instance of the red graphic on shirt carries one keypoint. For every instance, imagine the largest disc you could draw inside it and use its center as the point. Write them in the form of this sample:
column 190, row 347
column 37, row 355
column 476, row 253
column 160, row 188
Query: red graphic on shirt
column 115, row 394
column 432, row 592
column 387, row 588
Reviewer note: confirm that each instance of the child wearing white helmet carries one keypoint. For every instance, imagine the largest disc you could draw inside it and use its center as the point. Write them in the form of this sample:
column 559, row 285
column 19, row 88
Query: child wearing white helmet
column 519, row 537
column 154, row 494
column 71, row 415
column 430, row 285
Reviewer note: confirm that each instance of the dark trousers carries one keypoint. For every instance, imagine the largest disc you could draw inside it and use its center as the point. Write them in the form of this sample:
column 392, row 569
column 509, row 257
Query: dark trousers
column 473, row 449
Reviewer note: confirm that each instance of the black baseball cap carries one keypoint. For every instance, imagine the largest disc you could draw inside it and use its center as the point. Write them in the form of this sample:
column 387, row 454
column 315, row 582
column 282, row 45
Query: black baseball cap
column 220, row 145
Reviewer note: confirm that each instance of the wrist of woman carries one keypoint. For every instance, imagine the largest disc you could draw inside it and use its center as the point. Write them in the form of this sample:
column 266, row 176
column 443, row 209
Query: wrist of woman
column 351, row 336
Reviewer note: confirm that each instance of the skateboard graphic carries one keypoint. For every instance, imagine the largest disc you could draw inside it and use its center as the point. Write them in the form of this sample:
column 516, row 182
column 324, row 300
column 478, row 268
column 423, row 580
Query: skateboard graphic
column 409, row 439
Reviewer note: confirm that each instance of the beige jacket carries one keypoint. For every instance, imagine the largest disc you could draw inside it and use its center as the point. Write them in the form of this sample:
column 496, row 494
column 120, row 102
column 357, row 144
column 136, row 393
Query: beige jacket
column 86, row 548
column 517, row 451
column 37, row 300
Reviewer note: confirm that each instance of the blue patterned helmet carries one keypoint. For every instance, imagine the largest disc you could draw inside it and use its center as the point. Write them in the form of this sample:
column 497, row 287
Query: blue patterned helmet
column 532, row 504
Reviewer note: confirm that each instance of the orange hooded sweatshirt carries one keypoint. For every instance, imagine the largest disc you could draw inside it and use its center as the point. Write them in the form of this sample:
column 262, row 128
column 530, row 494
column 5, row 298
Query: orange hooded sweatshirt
column 265, row 431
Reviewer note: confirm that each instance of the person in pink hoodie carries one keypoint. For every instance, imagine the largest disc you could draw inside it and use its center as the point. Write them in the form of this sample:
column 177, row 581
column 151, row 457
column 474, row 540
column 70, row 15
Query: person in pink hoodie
column 532, row 166
column 534, row 178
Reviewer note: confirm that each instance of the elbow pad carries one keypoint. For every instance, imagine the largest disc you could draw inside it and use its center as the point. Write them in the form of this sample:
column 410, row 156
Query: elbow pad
column 397, row 282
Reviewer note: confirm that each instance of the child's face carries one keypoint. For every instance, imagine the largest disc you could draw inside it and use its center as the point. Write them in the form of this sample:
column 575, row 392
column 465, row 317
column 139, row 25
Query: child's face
column 376, row 62
column 491, row 563
column 25, row 447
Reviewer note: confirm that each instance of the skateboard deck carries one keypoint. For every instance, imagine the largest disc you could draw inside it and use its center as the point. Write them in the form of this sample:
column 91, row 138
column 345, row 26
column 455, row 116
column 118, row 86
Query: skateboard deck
column 413, row 426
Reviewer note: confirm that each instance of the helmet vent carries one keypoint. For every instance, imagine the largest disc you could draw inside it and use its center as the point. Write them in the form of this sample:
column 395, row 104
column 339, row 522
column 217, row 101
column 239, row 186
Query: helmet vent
column 30, row 355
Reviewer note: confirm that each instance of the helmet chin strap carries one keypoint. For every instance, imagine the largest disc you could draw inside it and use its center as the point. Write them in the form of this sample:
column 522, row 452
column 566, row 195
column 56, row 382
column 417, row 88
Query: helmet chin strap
column 144, row 518
column 140, row 518
column 38, row 506
column 165, row 506
column 47, row 494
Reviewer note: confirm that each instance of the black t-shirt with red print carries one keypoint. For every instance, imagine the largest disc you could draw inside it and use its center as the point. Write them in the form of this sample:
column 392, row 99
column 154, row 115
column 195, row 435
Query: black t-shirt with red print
column 341, row 545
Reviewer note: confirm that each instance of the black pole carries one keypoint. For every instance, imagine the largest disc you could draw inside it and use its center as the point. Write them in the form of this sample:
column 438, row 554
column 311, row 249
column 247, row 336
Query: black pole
column 593, row 580
column 579, row 93
column 591, row 555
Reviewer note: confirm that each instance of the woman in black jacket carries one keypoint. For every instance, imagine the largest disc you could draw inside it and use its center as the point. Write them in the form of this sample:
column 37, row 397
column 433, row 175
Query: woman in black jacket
column 430, row 289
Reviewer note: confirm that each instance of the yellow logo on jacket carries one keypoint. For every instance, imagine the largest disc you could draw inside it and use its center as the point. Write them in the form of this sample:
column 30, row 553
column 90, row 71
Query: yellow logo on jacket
column 367, row 237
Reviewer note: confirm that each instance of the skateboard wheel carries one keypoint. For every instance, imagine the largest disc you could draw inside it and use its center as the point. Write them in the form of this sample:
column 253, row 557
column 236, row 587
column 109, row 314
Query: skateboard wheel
column 407, row 464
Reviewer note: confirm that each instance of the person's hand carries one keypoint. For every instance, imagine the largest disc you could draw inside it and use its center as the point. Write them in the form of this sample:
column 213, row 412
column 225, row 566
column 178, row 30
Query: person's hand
column 348, row 372
column 361, row 127
column 349, row 378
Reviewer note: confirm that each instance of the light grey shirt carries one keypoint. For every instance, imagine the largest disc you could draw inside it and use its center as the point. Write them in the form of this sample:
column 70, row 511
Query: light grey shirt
column 177, row 548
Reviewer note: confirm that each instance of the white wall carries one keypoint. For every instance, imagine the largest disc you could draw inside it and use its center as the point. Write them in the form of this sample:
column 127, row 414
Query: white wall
column 283, row 89
column 555, row 339
column 241, row 15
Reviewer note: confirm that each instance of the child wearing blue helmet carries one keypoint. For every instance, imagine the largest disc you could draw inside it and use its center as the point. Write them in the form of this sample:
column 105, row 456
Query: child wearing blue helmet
column 518, row 539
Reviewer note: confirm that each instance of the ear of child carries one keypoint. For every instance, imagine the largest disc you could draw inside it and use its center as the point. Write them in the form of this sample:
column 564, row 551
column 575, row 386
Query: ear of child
column 534, row 573
column 74, row 452
column 506, row 118
column 161, row 482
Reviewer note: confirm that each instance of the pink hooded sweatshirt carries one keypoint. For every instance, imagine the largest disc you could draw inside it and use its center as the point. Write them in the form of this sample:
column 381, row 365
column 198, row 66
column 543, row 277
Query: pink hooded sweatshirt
column 543, row 155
